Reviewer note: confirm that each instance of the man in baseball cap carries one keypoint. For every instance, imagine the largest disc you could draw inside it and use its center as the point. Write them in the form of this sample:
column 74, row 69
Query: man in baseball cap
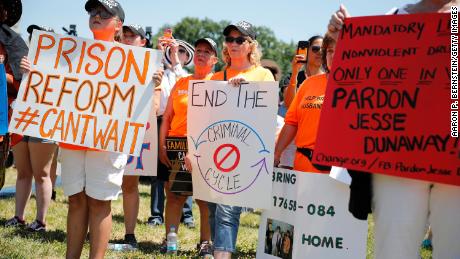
column 111, row 6
column 131, row 31
column 243, row 27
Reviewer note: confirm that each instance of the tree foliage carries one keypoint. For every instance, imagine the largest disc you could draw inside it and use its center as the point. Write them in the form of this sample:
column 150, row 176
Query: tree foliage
column 190, row 29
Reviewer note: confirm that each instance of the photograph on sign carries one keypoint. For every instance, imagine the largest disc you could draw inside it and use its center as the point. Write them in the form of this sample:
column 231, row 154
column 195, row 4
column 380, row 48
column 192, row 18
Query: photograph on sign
column 278, row 238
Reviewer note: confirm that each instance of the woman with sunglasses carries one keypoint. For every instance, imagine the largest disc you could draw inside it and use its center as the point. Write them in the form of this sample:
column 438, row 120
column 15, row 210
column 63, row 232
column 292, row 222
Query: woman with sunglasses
column 313, row 67
column 91, row 178
column 302, row 118
column 242, row 58
column 403, row 207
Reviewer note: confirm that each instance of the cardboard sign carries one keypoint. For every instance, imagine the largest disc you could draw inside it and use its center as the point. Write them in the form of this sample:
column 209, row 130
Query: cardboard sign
column 387, row 105
column 88, row 93
column 3, row 101
column 231, row 137
column 179, row 177
column 146, row 163
column 309, row 218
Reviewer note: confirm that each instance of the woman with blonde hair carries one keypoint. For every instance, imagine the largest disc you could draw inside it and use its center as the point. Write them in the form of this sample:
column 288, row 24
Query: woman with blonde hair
column 241, row 54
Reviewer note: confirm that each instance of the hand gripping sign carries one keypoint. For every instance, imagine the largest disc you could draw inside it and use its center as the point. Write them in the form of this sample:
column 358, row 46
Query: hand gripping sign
column 88, row 93
column 231, row 135
column 387, row 107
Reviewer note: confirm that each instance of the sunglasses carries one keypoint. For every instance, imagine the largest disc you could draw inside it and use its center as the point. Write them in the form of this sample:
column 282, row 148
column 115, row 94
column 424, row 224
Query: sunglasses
column 183, row 51
column 239, row 40
column 315, row 49
column 101, row 12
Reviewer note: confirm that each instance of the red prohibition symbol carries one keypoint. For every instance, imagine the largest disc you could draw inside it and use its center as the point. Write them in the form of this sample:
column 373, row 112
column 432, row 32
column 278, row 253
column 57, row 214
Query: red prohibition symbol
column 225, row 154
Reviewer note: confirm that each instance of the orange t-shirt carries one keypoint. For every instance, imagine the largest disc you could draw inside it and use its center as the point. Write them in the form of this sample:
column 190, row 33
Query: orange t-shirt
column 255, row 73
column 179, row 98
column 304, row 113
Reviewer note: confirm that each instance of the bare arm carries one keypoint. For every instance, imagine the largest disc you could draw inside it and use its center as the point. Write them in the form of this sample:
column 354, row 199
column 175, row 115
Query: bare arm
column 291, row 89
column 165, row 126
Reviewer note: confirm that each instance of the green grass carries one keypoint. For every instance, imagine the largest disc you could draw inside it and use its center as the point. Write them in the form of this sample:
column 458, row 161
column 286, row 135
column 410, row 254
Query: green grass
column 18, row 243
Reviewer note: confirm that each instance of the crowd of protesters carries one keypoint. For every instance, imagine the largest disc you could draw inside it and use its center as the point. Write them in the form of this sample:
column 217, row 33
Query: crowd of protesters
column 92, row 178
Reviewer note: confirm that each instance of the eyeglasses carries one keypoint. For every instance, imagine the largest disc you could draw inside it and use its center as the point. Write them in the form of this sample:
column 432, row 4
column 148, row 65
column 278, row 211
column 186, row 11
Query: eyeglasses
column 315, row 49
column 239, row 40
column 101, row 12
column 183, row 51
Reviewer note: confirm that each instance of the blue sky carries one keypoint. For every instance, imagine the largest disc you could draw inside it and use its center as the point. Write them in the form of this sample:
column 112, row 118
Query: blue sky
column 289, row 19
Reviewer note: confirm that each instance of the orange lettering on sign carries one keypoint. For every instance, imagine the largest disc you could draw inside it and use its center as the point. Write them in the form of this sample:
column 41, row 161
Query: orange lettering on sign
column 72, row 125
column 131, row 62
column 123, row 136
column 107, row 62
column 42, row 124
column 95, row 57
column 99, row 137
column 47, row 89
column 65, row 53
column 77, row 95
column 130, row 93
column 82, row 55
column 136, row 131
column 64, row 89
column 113, row 136
column 87, row 118
column 33, row 86
column 40, row 45
column 101, row 96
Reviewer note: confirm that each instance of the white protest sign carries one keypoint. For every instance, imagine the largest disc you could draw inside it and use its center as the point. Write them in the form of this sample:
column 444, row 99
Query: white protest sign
column 231, row 137
column 146, row 162
column 309, row 212
column 88, row 93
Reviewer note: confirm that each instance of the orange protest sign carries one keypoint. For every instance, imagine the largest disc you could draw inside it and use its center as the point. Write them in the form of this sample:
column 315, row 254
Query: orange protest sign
column 87, row 93
column 388, row 104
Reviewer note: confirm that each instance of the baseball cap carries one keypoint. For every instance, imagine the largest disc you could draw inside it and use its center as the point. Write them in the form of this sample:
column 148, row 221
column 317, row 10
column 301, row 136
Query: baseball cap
column 136, row 29
column 33, row 27
column 111, row 6
column 208, row 41
column 244, row 27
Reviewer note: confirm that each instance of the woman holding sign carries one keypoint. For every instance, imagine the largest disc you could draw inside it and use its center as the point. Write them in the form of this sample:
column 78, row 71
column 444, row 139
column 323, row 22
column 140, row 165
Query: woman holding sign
column 33, row 156
column 175, row 125
column 402, row 207
column 302, row 118
column 242, row 59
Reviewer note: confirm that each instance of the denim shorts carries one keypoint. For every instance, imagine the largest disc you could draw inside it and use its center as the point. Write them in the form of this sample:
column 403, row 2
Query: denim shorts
column 224, row 221
column 37, row 140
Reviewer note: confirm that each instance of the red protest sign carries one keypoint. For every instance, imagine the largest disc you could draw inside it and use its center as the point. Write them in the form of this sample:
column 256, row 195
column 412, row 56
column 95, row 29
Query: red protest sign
column 387, row 106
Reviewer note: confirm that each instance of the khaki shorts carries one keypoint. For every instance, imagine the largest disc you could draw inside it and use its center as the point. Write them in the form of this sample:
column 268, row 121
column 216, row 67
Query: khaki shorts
column 98, row 173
